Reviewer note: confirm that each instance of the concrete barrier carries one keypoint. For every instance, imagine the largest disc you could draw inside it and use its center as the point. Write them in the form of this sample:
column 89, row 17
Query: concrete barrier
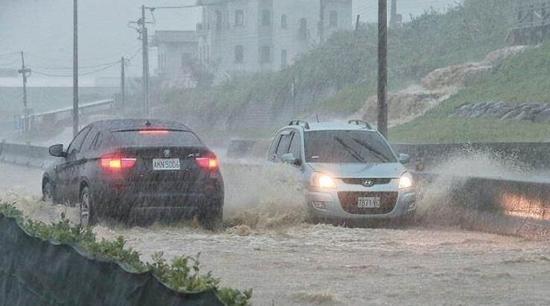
column 38, row 272
column 25, row 155
column 427, row 156
column 508, row 207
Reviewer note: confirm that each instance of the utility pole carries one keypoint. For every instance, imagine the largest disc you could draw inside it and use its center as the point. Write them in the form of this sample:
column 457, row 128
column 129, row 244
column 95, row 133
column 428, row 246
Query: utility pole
column 76, row 125
column 145, row 55
column 393, row 14
column 122, row 83
column 322, row 21
column 382, row 67
column 357, row 23
column 25, row 73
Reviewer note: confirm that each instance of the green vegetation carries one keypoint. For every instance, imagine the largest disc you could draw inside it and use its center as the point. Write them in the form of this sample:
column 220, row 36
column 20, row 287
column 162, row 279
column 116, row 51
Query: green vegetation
column 521, row 79
column 182, row 274
column 460, row 130
column 338, row 76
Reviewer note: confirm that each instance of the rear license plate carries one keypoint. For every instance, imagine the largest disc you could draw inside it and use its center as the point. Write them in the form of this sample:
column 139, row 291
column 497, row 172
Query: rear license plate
column 368, row 202
column 166, row 164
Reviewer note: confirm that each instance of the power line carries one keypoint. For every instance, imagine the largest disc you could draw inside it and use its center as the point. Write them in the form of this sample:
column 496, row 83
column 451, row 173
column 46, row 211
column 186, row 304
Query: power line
column 70, row 75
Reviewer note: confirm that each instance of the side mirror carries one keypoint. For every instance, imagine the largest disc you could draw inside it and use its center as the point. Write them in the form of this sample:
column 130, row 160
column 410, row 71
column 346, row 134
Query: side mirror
column 404, row 158
column 57, row 151
column 289, row 158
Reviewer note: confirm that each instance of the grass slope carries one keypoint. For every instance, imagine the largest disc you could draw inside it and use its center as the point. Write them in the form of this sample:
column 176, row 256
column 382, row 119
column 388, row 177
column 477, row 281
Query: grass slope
column 521, row 79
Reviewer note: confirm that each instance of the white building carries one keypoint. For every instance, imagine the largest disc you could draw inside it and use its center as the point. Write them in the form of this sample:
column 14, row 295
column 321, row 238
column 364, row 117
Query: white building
column 177, row 53
column 265, row 35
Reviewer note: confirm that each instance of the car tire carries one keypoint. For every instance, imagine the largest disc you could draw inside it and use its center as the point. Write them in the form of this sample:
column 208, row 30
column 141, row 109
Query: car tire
column 212, row 219
column 87, row 211
column 48, row 192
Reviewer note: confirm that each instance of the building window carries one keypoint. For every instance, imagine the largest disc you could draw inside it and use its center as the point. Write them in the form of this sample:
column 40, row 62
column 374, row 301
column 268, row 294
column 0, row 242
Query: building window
column 265, row 54
column 266, row 18
column 239, row 18
column 239, row 54
column 333, row 19
column 302, row 32
column 219, row 20
column 284, row 22
column 284, row 59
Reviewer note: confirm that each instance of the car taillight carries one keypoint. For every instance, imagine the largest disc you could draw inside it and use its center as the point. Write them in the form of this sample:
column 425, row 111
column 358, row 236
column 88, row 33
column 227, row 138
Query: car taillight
column 117, row 163
column 208, row 163
column 153, row 132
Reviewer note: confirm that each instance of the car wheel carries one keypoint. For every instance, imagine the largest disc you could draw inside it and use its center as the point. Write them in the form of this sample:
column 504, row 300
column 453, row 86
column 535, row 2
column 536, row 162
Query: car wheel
column 87, row 214
column 48, row 192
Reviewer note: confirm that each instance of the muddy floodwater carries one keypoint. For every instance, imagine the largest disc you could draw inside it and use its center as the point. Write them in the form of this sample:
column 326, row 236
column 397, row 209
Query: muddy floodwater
column 286, row 261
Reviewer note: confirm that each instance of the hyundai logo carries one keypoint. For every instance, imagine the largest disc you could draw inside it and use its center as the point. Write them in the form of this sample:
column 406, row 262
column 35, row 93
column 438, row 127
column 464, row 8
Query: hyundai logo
column 368, row 183
column 166, row 153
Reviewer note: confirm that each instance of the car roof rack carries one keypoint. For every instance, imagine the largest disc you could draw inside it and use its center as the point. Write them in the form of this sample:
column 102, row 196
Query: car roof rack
column 302, row 123
column 361, row 123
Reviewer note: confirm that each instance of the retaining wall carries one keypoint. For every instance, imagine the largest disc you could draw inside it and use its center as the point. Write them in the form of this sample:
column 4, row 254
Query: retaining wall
column 38, row 272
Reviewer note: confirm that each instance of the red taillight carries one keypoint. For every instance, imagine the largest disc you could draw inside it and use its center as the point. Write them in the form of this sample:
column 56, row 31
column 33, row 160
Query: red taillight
column 117, row 163
column 208, row 163
column 153, row 132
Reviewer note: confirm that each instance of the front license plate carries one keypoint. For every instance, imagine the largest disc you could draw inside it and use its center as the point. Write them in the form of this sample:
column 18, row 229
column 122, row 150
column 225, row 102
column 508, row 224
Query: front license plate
column 368, row 202
column 166, row 164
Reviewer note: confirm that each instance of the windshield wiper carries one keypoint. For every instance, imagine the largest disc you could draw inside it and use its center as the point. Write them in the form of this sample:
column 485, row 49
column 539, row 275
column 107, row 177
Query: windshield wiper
column 350, row 150
column 379, row 155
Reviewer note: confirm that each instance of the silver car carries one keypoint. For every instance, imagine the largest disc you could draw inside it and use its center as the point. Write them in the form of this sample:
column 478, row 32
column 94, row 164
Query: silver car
column 350, row 170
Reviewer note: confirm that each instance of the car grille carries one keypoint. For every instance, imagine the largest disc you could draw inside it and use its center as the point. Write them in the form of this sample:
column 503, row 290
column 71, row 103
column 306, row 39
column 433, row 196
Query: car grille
column 348, row 201
column 361, row 181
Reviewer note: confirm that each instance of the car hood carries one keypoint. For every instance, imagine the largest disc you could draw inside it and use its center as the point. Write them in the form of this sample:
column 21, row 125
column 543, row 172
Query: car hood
column 389, row 170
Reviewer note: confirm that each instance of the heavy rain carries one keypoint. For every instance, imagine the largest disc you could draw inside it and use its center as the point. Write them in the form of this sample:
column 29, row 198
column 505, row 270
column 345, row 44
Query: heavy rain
column 274, row 152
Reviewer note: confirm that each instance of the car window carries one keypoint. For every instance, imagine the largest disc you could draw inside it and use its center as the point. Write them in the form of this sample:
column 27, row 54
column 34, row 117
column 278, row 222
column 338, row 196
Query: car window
column 88, row 142
column 76, row 144
column 347, row 147
column 141, row 138
column 274, row 146
column 95, row 142
column 284, row 144
column 296, row 145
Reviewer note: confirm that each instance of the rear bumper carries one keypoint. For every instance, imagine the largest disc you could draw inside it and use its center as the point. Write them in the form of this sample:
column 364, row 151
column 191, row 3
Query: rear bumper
column 161, row 204
column 327, row 205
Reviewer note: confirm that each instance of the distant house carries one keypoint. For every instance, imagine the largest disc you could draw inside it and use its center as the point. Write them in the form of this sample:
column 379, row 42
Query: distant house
column 177, row 53
column 266, row 35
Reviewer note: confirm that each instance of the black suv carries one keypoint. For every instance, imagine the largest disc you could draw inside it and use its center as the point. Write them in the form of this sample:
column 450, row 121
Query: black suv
column 137, row 169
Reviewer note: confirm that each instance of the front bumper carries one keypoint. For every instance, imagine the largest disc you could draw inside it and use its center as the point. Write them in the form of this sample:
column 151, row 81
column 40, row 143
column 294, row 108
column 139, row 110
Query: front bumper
column 327, row 204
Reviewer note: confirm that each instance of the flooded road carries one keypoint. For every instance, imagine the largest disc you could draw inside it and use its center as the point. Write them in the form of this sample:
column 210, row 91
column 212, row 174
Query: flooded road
column 294, row 263
column 323, row 264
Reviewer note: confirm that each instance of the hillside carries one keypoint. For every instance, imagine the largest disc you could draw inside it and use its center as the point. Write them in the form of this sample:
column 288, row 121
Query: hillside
column 335, row 79
column 516, row 83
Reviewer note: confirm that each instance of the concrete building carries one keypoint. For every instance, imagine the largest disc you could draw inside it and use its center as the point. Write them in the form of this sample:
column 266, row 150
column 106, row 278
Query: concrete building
column 177, row 54
column 238, row 36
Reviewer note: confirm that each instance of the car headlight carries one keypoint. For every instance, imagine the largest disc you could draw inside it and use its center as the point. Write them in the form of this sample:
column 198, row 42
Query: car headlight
column 323, row 181
column 406, row 181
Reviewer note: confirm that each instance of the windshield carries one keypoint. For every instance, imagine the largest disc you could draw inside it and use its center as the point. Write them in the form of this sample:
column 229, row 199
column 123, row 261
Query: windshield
column 160, row 138
column 347, row 147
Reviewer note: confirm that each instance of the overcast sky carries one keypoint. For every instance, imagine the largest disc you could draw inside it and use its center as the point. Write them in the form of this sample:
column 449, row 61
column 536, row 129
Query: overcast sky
column 43, row 28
